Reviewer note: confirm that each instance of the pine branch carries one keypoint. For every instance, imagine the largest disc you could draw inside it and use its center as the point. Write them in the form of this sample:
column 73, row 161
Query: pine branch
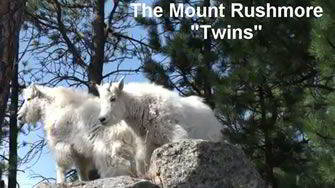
column 330, row 43
column 122, row 70
column 324, row 137
column 111, row 15
column 62, row 30
column 319, row 86
column 4, row 157
column 130, row 38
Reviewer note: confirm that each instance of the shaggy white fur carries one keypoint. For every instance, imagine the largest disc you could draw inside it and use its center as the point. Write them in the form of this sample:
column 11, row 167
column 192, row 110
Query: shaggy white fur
column 156, row 114
column 122, row 145
column 74, row 134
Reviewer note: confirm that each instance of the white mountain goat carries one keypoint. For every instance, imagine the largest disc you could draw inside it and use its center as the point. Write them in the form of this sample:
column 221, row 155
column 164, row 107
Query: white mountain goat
column 156, row 114
column 73, row 133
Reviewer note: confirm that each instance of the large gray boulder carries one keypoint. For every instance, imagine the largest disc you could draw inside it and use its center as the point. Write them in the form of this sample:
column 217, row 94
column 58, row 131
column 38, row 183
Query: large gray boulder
column 202, row 164
column 115, row 182
column 188, row 164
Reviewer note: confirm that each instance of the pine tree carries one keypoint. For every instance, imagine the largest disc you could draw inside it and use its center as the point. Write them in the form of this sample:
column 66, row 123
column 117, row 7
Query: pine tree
column 319, row 124
column 10, row 24
column 260, row 88
column 77, row 41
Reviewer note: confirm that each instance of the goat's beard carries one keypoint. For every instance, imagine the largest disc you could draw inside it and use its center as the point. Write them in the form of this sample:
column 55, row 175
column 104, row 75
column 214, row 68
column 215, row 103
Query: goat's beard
column 32, row 116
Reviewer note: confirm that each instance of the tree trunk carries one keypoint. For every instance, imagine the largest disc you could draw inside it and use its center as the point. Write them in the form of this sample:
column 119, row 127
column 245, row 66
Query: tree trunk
column 11, row 12
column 96, row 66
column 2, row 183
column 5, row 68
column 207, row 63
column 266, row 128
column 13, row 130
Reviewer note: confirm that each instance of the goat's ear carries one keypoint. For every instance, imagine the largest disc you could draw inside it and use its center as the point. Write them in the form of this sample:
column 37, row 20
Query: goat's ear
column 32, row 86
column 95, row 85
column 36, row 91
column 109, row 86
column 121, row 84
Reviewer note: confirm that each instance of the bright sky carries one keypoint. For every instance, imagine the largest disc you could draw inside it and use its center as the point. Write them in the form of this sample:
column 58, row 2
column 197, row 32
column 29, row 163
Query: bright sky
column 45, row 165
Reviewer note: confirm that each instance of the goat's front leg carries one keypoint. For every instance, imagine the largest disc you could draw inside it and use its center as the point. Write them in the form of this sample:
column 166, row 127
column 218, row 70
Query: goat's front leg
column 60, row 174
column 141, row 161
column 83, row 164
column 82, row 173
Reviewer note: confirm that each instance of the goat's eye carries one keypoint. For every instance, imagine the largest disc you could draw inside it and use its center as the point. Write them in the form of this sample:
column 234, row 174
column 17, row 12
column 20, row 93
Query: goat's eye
column 29, row 99
column 112, row 99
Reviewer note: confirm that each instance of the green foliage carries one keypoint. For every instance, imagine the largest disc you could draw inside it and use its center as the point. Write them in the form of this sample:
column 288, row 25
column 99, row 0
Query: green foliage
column 319, row 124
column 320, row 130
column 155, row 71
column 272, row 93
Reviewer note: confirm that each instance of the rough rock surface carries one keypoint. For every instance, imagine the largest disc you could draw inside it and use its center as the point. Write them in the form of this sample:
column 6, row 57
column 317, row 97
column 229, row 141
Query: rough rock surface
column 115, row 182
column 202, row 164
column 188, row 164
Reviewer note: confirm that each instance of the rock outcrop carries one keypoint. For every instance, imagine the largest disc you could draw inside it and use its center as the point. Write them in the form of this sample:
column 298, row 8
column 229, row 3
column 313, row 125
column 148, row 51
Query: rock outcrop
column 115, row 182
column 189, row 164
column 199, row 163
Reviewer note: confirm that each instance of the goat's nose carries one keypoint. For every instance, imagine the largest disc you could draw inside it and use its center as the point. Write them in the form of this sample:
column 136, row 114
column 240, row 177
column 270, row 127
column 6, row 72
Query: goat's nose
column 102, row 119
column 19, row 117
